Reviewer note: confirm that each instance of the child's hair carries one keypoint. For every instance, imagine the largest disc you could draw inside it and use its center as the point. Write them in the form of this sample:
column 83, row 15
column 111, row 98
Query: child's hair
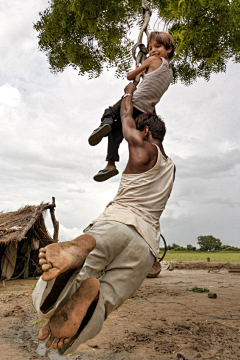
column 163, row 38
column 155, row 123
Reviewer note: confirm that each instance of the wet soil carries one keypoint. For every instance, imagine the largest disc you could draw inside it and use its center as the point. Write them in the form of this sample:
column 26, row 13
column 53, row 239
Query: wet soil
column 164, row 319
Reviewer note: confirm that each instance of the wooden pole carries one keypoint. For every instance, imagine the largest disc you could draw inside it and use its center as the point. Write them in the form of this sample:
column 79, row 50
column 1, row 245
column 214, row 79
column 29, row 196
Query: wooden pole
column 54, row 221
column 27, row 258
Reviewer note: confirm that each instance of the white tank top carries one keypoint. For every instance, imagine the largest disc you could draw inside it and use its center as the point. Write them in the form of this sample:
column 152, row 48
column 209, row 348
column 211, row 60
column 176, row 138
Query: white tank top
column 152, row 88
column 141, row 199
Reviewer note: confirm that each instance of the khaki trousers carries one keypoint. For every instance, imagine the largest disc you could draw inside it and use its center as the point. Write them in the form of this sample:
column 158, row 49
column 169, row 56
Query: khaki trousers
column 121, row 261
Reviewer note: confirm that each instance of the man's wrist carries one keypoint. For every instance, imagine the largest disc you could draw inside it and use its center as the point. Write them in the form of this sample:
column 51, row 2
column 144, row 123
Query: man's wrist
column 125, row 95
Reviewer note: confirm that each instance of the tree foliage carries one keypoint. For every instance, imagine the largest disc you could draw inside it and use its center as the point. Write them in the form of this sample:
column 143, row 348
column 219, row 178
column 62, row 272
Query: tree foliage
column 174, row 246
column 191, row 248
column 205, row 240
column 229, row 248
column 209, row 243
column 91, row 35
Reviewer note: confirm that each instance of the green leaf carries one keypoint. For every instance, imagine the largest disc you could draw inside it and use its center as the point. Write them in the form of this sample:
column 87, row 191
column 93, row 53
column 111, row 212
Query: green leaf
column 37, row 321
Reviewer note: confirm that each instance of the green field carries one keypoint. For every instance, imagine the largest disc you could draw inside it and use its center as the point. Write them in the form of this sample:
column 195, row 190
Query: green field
column 221, row 256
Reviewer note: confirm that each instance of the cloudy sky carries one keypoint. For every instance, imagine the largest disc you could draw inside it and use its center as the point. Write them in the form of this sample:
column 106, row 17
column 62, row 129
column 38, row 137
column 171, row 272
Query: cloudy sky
column 46, row 120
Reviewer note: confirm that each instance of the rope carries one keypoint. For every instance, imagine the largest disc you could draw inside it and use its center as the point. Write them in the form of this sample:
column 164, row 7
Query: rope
column 165, row 249
column 141, row 56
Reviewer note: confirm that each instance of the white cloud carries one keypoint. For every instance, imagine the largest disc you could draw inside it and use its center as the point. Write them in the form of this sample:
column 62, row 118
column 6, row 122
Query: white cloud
column 65, row 234
column 209, row 166
column 9, row 96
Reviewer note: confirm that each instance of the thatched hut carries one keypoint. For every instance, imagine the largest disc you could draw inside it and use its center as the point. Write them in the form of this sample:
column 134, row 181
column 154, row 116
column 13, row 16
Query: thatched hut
column 22, row 233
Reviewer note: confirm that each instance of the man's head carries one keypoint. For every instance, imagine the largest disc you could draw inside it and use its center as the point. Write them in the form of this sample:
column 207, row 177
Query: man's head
column 164, row 39
column 155, row 124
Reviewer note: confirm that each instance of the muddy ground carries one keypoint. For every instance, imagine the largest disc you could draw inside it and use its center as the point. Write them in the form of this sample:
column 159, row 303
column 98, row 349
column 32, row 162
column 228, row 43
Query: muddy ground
column 164, row 320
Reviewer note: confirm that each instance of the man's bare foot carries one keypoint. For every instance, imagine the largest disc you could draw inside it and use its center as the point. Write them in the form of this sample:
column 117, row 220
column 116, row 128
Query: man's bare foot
column 56, row 258
column 66, row 322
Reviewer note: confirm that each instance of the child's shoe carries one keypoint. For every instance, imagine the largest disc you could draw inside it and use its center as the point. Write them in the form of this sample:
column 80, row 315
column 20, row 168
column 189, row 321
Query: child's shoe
column 105, row 174
column 98, row 134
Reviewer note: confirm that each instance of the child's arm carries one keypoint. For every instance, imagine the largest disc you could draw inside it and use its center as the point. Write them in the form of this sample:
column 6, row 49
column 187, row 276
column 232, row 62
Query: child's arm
column 152, row 63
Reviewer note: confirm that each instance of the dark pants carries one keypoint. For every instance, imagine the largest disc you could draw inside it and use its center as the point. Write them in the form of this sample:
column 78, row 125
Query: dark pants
column 112, row 117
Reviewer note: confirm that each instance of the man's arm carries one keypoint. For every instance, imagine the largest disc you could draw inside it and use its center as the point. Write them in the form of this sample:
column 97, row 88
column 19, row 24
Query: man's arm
column 130, row 133
column 142, row 154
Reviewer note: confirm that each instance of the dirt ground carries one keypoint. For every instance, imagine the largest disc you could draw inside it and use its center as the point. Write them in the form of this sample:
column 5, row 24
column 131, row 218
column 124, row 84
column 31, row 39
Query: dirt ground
column 164, row 320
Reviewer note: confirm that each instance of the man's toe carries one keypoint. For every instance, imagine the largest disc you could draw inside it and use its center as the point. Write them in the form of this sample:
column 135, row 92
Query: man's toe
column 50, row 274
column 42, row 261
column 60, row 343
column 46, row 266
column 55, row 344
column 50, row 341
column 66, row 340
column 44, row 332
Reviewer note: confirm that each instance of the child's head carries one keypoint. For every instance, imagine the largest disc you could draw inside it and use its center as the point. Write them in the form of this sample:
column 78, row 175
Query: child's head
column 163, row 38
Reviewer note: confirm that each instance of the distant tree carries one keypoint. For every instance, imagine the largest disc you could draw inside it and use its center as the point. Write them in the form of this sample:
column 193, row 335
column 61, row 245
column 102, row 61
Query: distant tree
column 229, row 248
column 180, row 248
column 191, row 248
column 91, row 35
column 174, row 246
column 209, row 243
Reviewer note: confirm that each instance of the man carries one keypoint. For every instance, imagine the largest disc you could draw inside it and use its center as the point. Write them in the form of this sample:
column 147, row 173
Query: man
column 119, row 247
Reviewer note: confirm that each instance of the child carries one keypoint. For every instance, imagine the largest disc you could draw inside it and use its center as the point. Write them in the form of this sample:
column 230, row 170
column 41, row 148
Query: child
column 156, row 80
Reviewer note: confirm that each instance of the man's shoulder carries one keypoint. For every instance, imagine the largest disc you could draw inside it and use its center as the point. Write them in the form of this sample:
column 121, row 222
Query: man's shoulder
column 165, row 158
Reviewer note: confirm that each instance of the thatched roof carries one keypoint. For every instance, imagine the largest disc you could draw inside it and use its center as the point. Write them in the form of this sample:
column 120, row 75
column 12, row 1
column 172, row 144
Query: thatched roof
column 15, row 225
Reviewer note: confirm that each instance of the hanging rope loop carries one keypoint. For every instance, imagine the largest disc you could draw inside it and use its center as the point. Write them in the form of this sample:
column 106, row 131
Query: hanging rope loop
column 141, row 56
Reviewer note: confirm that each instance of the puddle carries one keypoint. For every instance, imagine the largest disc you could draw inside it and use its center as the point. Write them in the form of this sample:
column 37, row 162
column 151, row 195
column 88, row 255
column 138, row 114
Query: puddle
column 25, row 337
column 39, row 347
column 52, row 355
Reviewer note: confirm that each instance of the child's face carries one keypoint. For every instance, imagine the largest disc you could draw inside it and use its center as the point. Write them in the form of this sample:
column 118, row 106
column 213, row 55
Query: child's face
column 158, row 50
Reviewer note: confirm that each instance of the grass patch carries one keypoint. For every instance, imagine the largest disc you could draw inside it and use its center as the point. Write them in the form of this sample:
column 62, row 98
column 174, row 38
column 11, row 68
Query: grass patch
column 218, row 256
column 134, row 296
column 199, row 290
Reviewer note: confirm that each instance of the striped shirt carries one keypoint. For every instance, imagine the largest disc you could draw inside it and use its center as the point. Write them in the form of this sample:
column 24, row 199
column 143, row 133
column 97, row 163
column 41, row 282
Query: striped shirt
column 152, row 88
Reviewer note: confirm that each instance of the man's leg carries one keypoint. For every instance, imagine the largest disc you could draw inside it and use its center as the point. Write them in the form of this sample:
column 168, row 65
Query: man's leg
column 65, row 324
column 126, row 260
column 128, row 268
column 61, row 263
column 57, row 258
column 130, row 261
